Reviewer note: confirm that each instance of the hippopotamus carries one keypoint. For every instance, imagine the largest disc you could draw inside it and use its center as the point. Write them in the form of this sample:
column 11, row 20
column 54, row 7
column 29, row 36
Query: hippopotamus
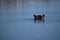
column 39, row 17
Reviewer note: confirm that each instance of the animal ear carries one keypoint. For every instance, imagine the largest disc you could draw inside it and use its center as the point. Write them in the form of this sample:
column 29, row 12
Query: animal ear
column 34, row 15
column 43, row 15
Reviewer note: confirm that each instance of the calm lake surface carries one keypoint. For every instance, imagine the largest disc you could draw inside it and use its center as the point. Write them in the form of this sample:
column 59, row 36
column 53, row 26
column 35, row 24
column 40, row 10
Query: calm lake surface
column 17, row 21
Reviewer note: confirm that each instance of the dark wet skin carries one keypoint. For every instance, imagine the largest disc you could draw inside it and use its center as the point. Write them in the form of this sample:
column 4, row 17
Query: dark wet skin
column 39, row 17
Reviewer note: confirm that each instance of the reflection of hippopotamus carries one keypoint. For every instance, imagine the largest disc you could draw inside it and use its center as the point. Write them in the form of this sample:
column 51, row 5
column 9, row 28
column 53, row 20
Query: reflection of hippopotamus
column 39, row 17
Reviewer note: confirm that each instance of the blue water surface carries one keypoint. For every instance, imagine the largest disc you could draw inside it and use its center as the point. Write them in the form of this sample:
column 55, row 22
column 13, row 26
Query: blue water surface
column 17, row 21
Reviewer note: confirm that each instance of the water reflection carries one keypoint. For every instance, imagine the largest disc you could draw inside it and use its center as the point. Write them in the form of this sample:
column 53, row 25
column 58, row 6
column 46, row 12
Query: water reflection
column 42, row 1
column 9, row 2
column 39, row 21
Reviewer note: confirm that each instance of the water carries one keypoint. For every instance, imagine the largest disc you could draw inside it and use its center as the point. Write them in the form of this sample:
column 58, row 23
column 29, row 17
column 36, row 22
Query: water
column 17, row 22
